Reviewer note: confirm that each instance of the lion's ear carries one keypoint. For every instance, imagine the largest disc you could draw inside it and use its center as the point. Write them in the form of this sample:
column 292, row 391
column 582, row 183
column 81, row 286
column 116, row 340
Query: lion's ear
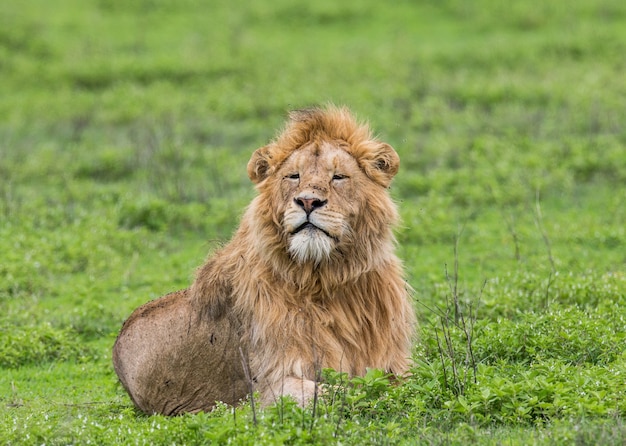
column 381, row 164
column 259, row 165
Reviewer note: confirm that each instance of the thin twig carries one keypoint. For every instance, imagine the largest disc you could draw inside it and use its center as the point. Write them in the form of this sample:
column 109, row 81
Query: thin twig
column 343, row 406
column 547, row 295
column 508, row 220
column 542, row 230
column 443, row 362
column 460, row 370
column 318, row 377
column 455, row 292
column 246, row 371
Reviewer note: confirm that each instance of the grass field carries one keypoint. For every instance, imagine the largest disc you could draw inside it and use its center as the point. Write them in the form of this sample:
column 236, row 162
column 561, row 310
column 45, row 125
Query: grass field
column 125, row 128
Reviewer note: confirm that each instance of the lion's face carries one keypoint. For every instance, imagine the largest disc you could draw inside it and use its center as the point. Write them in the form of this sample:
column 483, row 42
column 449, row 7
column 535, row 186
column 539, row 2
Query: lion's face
column 323, row 191
column 317, row 187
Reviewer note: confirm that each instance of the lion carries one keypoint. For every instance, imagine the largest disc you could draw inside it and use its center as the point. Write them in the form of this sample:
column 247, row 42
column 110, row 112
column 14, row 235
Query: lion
column 310, row 280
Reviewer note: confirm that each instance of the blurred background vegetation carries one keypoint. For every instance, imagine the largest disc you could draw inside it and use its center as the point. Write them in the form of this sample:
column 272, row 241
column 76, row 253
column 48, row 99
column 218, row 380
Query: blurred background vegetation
column 125, row 128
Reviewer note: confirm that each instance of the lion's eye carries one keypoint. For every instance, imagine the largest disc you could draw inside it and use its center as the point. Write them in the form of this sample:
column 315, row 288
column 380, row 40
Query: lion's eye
column 293, row 176
column 339, row 176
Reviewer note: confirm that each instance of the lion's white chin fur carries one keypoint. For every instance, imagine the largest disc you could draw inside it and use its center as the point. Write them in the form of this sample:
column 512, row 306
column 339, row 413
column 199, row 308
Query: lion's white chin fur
column 310, row 245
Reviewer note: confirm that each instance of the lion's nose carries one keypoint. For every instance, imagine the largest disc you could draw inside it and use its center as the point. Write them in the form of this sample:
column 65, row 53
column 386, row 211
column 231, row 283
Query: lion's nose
column 309, row 204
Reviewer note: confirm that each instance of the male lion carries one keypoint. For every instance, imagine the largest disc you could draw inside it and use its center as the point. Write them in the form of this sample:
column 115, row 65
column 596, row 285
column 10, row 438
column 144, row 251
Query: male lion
column 309, row 281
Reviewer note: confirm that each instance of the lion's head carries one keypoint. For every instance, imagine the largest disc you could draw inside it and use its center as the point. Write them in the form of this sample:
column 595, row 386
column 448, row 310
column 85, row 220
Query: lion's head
column 323, row 188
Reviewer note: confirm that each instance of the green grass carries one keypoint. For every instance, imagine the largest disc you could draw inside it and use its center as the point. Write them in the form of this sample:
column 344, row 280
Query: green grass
column 125, row 128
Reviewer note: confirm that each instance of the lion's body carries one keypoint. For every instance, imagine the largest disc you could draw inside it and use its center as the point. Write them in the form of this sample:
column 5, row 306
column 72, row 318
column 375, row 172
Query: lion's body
column 171, row 361
column 309, row 281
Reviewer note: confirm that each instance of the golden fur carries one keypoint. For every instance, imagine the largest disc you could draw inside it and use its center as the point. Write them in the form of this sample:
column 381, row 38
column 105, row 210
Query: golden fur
column 309, row 280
